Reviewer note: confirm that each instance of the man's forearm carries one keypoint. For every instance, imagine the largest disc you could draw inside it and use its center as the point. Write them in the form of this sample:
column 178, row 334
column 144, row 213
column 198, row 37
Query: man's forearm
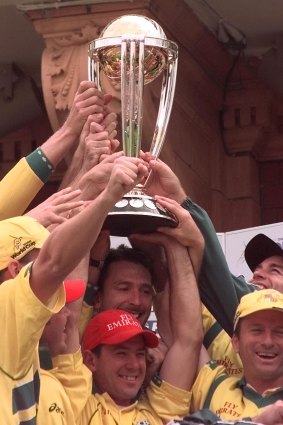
column 186, row 323
column 185, row 303
column 67, row 245
column 56, row 147
column 220, row 291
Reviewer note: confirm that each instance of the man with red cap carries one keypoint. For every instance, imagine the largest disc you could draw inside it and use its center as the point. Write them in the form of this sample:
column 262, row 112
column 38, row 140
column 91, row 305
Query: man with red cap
column 115, row 345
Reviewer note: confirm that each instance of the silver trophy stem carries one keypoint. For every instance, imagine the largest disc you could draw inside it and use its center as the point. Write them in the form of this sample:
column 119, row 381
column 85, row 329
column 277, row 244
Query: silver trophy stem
column 132, row 94
column 140, row 88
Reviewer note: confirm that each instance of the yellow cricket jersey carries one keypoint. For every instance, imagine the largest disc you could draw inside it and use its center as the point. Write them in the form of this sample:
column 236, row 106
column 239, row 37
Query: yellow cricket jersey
column 229, row 397
column 22, row 183
column 160, row 403
column 86, row 315
column 64, row 390
column 22, row 319
column 219, row 346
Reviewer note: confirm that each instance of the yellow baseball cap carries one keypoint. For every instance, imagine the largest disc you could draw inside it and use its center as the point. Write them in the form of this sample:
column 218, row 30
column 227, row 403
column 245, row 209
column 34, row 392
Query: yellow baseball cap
column 266, row 299
column 18, row 236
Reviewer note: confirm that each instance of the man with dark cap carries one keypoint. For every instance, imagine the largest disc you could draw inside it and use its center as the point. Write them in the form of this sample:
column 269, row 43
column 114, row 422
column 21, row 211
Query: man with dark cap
column 265, row 259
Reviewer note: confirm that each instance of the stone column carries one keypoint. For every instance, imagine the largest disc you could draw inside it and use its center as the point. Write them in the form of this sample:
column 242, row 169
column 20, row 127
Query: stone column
column 66, row 32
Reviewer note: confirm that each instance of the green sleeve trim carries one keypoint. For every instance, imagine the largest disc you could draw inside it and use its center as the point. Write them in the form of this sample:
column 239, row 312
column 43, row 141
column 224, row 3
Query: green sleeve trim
column 211, row 334
column 40, row 164
column 212, row 364
column 220, row 291
column 187, row 203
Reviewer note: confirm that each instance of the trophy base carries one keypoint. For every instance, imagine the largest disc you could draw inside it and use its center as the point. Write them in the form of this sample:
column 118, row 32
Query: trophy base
column 137, row 213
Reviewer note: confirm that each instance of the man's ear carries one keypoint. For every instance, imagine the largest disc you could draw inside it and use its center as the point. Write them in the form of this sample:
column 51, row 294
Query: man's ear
column 13, row 268
column 89, row 360
column 235, row 343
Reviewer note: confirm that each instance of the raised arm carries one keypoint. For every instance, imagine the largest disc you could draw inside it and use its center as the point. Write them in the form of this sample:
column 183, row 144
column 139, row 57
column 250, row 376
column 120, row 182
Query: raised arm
column 70, row 241
column 181, row 361
column 186, row 232
column 220, row 291
column 96, row 140
column 23, row 182
column 55, row 209
column 87, row 101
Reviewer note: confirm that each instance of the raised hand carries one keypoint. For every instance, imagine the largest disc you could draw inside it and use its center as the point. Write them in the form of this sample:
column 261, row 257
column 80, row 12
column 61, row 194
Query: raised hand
column 96, row 179
column 127, row 172
column 88, row 100
column 96, row 142
column 55, row 209
column 162, row 180
column 99, row 142
column 186, row 232
column 153, row 244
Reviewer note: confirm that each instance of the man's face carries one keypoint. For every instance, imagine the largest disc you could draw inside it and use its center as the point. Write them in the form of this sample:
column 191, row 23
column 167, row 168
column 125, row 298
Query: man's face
column 128, row 286
column 260, row 345
column 269, row 274
column 120, row 370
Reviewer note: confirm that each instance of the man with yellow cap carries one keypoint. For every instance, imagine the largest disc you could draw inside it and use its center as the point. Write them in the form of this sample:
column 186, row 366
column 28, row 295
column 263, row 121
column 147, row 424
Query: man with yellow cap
column 258, row 338
column 34, row 292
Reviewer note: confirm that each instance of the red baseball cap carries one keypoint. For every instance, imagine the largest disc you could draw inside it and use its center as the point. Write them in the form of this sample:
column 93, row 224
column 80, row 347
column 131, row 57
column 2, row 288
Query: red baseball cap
column 74, row 289
column 113, row 327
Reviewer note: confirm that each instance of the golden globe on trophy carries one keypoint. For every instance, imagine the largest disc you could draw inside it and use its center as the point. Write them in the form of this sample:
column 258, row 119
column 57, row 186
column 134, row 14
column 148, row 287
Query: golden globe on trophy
column 131, row 52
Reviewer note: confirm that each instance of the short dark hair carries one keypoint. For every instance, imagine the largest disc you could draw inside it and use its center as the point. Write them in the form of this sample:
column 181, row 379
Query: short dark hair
column 124, row 253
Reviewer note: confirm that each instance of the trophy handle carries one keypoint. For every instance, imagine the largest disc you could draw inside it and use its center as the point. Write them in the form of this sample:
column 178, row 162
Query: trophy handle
column 165, row 107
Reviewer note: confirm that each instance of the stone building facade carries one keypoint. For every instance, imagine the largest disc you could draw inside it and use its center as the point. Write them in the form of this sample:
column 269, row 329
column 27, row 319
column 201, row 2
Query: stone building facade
column 225, row 135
